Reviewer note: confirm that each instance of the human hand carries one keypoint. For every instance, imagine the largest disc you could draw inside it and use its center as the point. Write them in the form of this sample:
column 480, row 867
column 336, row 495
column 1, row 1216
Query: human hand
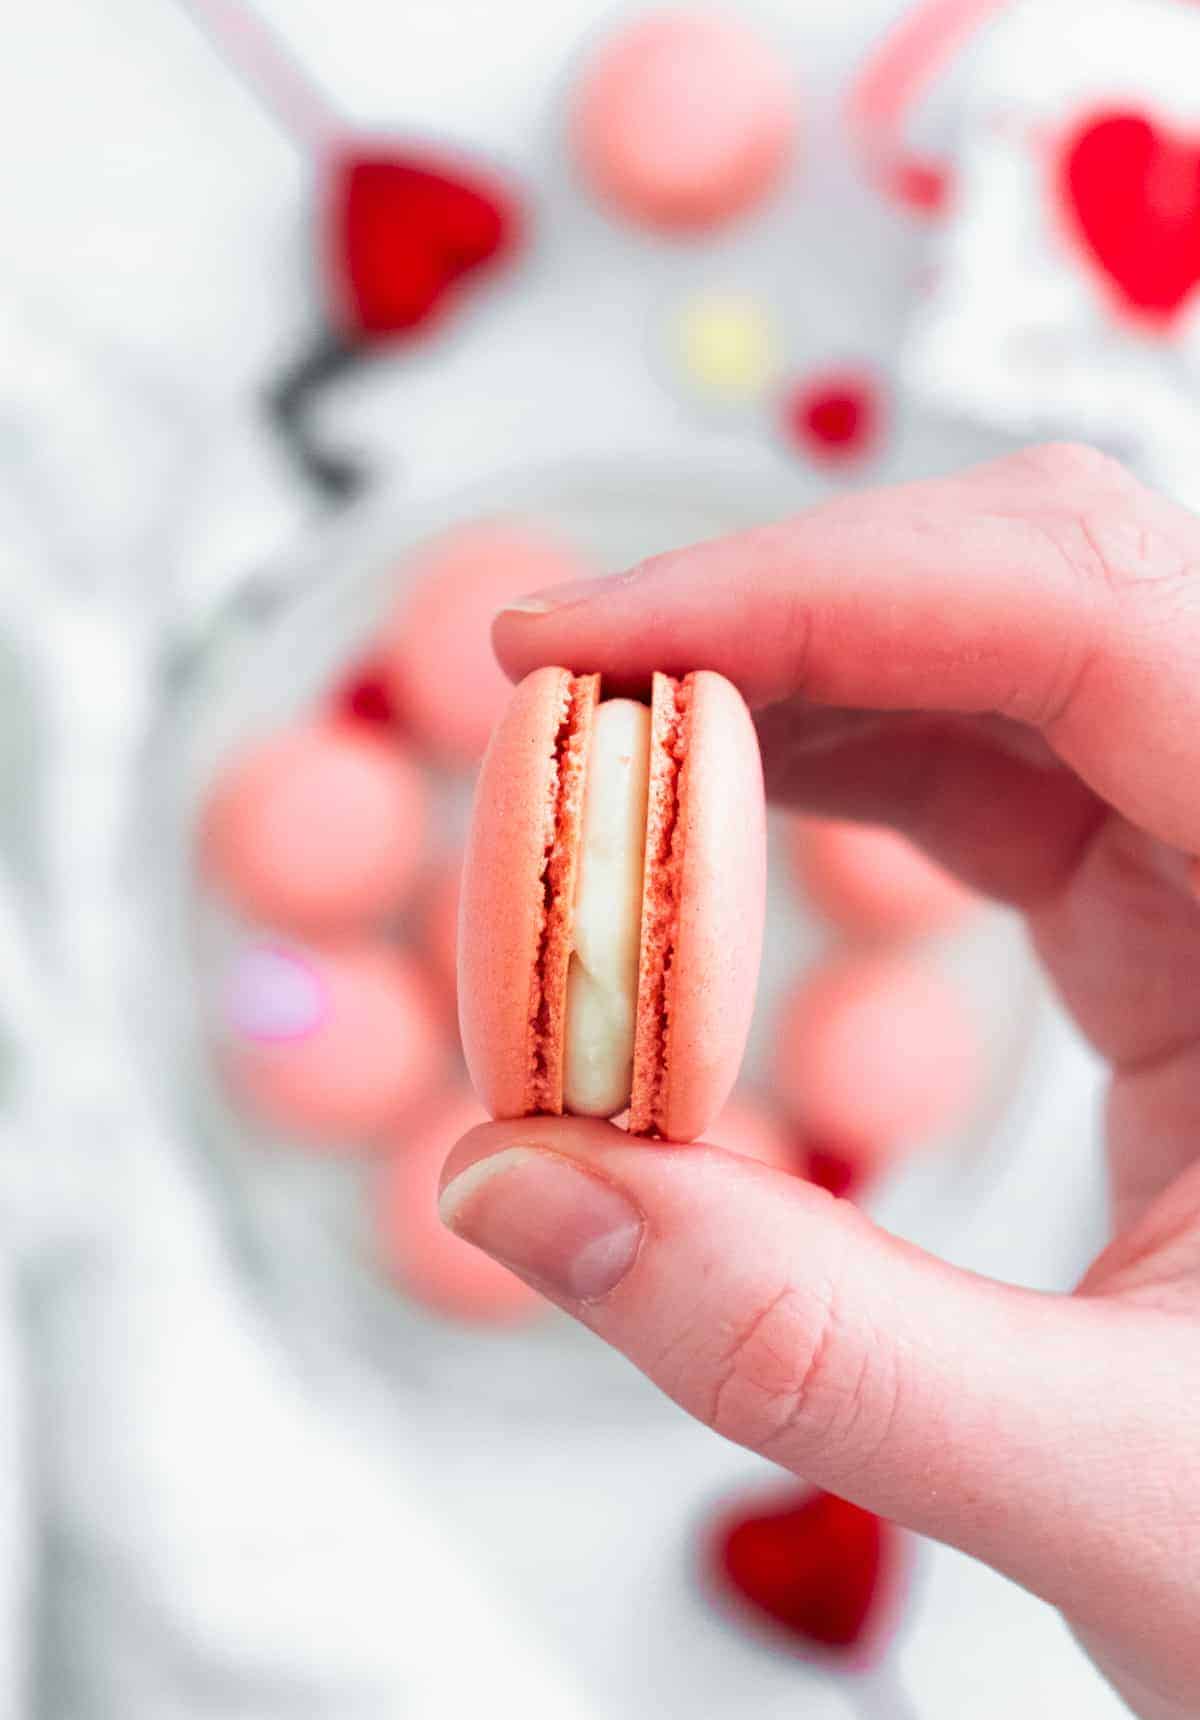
column 1005, row 665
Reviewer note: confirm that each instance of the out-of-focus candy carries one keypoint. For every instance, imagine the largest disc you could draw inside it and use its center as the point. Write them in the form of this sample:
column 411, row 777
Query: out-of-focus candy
column 443, row 675
column 842, row 1168
column 684, row 119
column 365, row 697
column 834, row 418
column 725, row 346
column 375, row 1049
column 317, row 829
column 872, row 882
column 428, row 1260
column 274, row 995
column 815, row 1566
column 877, row 1049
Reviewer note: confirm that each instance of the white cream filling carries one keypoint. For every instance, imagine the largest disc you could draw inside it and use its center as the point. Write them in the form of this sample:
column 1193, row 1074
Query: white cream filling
column 603, row 973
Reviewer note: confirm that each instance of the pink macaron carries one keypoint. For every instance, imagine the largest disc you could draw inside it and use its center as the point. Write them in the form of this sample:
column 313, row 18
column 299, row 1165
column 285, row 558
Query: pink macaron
column 317, row 829
column 684, row 119
column 426, row 1259
column 880, row 1051
column 332, row 1045
column 443, row 677
column 612, row 903
column 871, row 882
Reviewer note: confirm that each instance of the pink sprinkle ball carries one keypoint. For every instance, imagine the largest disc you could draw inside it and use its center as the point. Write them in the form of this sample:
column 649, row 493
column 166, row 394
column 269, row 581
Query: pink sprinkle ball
column 877, row 1049
column 426, row 1259
column 872, row 882
column 749, row 1127
column 684, row 119
column 442, row 673
column 375, row 1049
column 318, row 829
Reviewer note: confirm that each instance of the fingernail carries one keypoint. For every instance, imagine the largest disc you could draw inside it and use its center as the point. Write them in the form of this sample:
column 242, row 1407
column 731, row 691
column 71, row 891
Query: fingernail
column 560, row 1228
column 562, row 596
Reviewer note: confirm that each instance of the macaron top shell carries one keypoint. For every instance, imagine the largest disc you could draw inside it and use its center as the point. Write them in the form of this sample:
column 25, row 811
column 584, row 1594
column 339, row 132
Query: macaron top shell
column 715, row 872
column 684, row 119
column 517, row 886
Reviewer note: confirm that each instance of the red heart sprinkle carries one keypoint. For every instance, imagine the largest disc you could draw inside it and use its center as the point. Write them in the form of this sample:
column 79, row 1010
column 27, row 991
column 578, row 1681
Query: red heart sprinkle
column 817, row 1566
column 830, row 1167
column 366, row 698
column 835, row 417
column 1130, row 191
column 402, row 232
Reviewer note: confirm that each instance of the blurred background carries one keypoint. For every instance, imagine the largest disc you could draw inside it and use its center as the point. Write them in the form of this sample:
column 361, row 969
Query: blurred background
column 322, row 335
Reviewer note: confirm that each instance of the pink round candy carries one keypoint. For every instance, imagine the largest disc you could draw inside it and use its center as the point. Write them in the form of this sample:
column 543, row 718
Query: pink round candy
column 374, row 1049
column 877, row 1050
column 443, row 675
column 684, row 119
column 428, row 1260
column 317, row 829
column 752, row 1129
column 873, row 883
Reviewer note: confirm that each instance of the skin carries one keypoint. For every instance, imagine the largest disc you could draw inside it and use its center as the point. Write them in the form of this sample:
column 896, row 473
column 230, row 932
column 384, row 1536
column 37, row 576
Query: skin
column 1005, row 665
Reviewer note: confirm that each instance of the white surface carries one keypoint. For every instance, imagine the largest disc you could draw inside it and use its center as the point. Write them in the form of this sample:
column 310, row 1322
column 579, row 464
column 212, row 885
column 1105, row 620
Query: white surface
column 214, row 1533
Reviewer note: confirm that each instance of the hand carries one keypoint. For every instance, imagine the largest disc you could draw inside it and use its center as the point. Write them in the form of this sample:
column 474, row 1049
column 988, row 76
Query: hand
column 1005, row 665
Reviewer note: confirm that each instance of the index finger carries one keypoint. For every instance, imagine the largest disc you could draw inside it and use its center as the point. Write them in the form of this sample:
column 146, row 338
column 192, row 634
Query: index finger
column 1050, row 587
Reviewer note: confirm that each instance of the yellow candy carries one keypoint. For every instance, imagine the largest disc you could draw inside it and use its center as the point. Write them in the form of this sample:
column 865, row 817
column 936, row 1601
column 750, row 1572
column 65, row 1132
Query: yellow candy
column 725, row 344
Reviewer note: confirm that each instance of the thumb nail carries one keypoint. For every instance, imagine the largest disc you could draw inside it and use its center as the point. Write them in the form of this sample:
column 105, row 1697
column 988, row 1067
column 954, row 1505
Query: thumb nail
column 562, row 1229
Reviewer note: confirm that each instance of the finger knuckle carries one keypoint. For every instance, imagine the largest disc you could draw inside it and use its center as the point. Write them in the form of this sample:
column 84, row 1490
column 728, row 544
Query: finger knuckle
column 1073, row 466
column 771, row 1368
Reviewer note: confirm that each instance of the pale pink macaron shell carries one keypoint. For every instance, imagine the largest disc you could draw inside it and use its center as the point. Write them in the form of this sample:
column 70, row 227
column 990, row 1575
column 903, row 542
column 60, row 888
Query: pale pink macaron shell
column 317, row 829
column 443, row 675
column 377, row 1047
column 429, row 1261
column 500, row 916
column 684, row 119
column 880, row 1050
column 871, row 882
column 722, row 904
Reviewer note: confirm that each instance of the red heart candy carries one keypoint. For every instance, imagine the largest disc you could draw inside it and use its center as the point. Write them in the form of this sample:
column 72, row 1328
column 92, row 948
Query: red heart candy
column 1131, row 192
column 819, row 1567
column 834, row 417
column 365, row 697
column 402, row 233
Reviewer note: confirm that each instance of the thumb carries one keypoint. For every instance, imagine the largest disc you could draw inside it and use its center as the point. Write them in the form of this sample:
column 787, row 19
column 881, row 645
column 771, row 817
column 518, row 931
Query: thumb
column 978, row 1413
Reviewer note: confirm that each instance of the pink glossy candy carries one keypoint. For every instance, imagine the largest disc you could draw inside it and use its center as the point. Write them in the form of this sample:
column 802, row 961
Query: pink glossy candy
column 684, row 119
column 317, row 829
column 873, row 883
column 428, row 1260
column 443, row 675
column 370, row 1047
column 877, row 1049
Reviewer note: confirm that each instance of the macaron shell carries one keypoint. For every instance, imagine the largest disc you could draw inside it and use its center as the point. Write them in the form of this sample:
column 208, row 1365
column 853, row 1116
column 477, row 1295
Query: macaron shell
column 721, row 901
column 503, row 909
column 684, row 119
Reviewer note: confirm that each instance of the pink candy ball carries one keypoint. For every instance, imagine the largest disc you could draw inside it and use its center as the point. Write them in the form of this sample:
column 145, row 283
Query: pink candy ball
column 317, row 829
column 369, row 1045
column 428, row 1260
column 879, row 1051
column 443, row 675
column 872, row 882
column 684, row 119
column 752, row 1129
